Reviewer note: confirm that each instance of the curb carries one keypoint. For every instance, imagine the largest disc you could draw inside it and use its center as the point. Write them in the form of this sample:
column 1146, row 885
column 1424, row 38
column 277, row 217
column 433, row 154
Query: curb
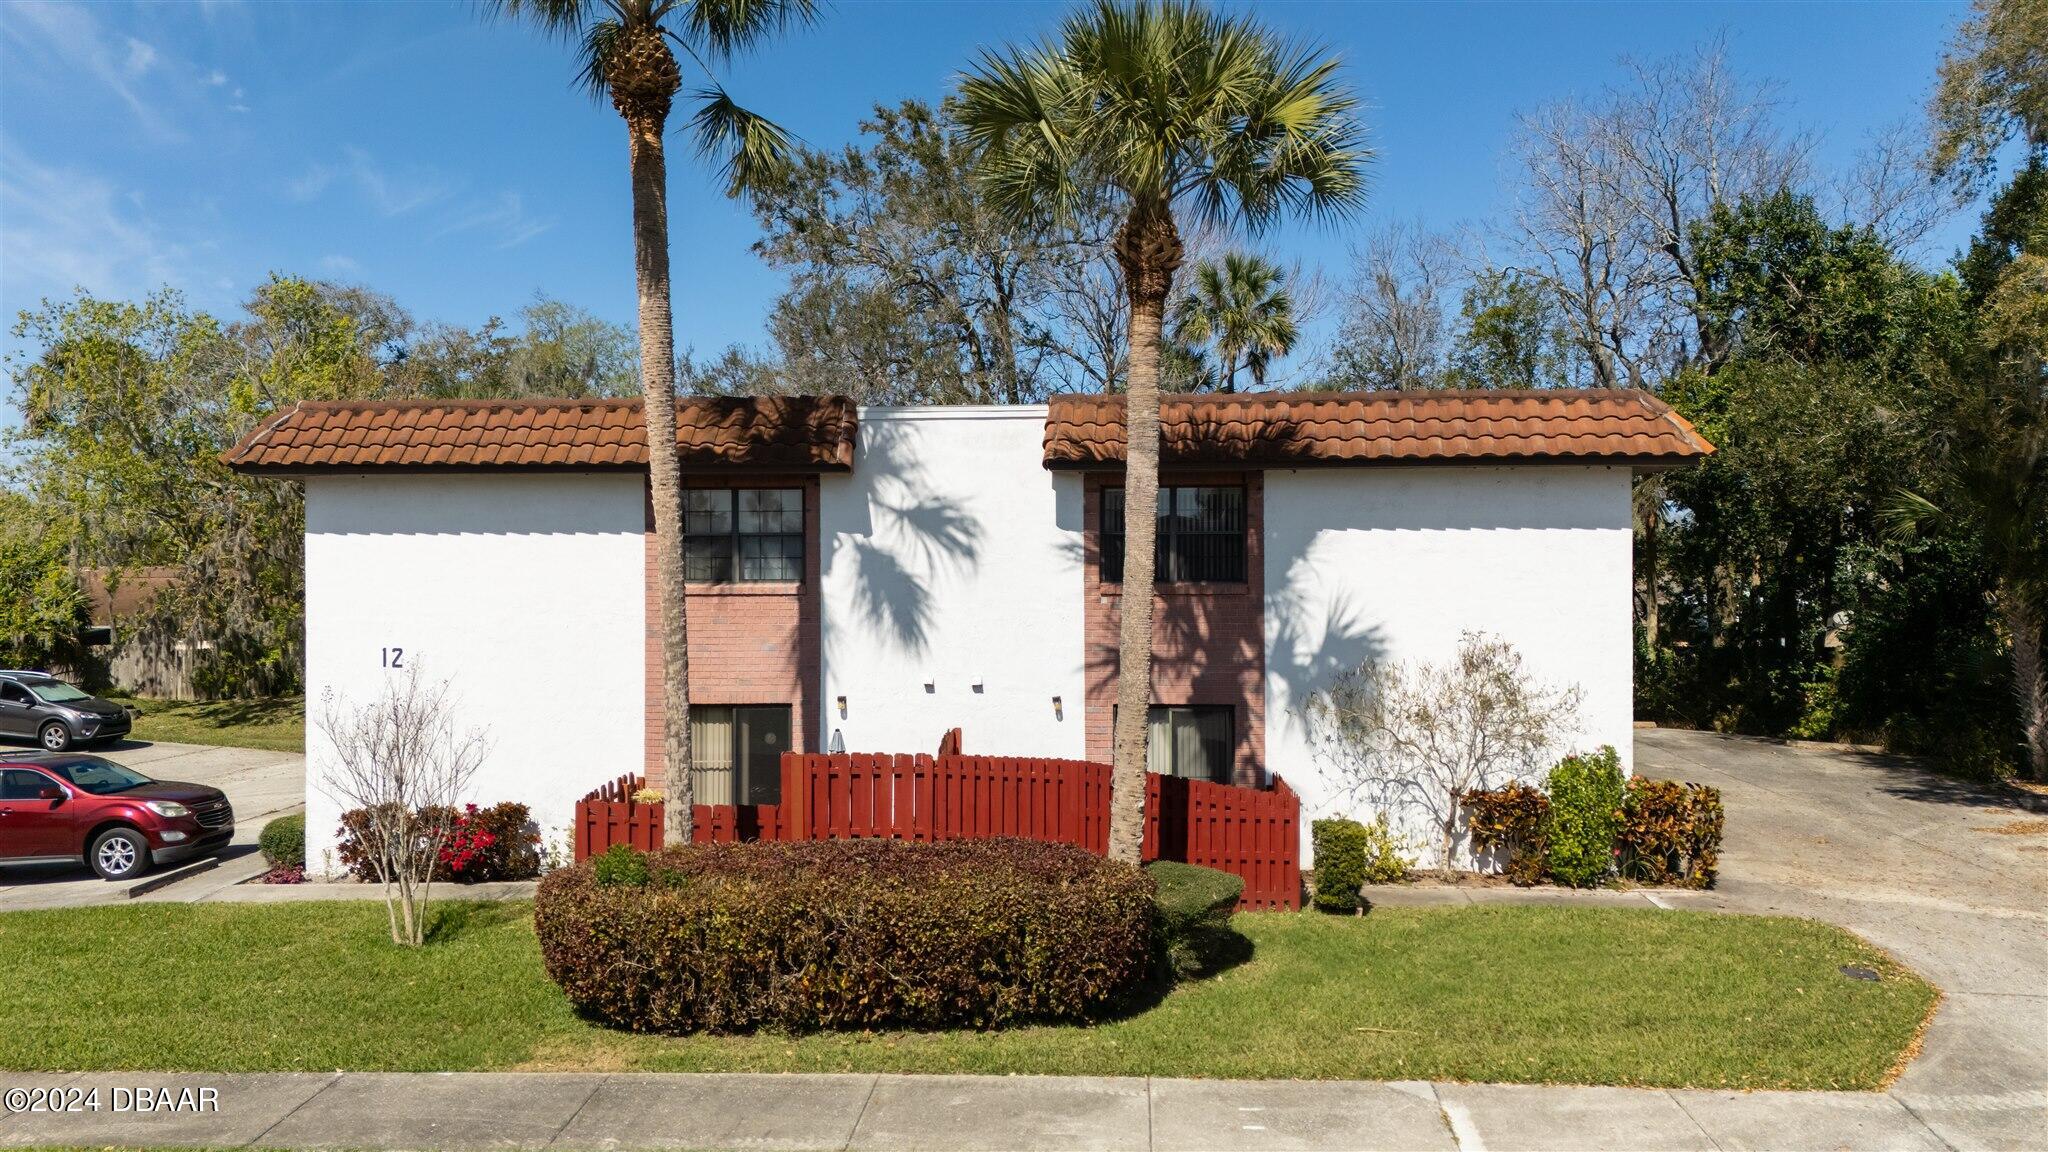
column 165, row 880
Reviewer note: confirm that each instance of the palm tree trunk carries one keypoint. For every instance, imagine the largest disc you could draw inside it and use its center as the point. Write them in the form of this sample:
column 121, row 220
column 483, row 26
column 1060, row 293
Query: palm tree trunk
column 658, row 391
column 2029, row 676
column 1148, row 246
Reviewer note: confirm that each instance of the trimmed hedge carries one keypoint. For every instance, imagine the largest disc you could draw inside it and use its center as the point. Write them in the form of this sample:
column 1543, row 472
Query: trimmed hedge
column 1671, row 833
column 1586, row 794
column 283, row 841
column 1193, row 907
column 1350, row 854
column 847, row 934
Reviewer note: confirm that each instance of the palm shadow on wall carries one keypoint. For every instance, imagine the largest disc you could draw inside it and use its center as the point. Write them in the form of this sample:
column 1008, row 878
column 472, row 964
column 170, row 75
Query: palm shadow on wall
column 910, row 530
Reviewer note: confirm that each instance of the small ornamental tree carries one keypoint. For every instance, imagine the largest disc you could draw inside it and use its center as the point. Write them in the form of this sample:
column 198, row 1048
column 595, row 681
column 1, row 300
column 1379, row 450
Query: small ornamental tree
column 397, row 760
column 1419, row 736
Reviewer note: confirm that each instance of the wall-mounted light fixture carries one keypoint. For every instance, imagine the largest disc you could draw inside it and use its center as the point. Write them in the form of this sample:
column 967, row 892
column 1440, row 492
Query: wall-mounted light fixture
column 1058, row 713
column 977, row 684
column 931, row 685
column 842, row 707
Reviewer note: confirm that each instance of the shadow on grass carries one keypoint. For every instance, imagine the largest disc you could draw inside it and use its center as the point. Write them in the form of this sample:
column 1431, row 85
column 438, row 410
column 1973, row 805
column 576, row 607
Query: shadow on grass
column 451, row 917
column 1205, row 953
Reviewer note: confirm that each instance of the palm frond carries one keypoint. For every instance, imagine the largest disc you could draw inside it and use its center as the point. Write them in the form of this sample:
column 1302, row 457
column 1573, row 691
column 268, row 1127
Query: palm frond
column 749, row 149
column 594, row 56
column 726, row 28
column 1907, row 514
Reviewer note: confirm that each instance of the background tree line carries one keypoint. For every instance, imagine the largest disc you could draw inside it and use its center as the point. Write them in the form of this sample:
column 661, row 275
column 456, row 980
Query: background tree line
column 128, row 404
column 1862, row 558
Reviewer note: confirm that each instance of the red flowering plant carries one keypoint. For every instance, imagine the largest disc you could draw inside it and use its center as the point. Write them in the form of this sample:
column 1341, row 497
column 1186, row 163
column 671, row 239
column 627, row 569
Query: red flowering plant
column 467, row 842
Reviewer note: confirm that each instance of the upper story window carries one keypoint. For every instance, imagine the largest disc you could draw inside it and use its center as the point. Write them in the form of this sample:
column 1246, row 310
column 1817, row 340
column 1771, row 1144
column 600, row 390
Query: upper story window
column 1201, row 535
column 743, row 535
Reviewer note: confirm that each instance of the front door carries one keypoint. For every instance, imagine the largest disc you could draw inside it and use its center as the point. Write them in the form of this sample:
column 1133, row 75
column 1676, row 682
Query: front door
column 32, row 824
column 761, row 736
column 17, row 717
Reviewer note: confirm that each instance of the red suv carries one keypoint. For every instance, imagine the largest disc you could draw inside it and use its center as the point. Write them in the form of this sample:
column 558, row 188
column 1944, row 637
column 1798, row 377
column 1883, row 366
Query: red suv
column 59, row 807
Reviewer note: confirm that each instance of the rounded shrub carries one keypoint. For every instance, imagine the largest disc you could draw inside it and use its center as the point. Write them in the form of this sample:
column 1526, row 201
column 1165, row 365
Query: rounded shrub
column 283, row 841
column 1193, row 907
column 1586, row 797
column 846, row 934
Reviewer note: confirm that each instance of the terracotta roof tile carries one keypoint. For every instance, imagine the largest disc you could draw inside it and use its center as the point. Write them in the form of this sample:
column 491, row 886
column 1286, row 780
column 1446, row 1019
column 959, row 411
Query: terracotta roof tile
column 1307, row 428
column 795, row 433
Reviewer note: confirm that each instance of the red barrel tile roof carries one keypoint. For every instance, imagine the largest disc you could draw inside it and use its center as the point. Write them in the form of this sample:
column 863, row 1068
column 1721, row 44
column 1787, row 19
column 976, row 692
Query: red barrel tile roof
column 1307, row 428
column 793, row 433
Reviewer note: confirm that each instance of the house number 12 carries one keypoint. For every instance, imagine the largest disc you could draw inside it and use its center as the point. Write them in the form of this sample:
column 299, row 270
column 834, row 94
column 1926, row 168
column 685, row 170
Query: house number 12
column 394, row 657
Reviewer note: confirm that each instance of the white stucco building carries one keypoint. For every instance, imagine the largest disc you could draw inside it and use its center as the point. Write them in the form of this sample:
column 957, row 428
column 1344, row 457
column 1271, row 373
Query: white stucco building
column 867, row 579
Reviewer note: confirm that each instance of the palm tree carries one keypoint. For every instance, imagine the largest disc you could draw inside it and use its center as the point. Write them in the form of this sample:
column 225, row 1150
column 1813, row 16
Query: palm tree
column 624, row 48
column 1164, row 106
column 1242, row 307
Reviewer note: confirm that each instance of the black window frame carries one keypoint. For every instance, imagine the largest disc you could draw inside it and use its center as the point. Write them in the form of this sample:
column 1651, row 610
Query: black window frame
column 744, row 776
column 1171, row 561
column 729, row 550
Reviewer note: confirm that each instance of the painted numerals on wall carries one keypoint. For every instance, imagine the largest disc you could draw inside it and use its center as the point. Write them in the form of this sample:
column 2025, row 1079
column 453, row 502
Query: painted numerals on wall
column 392, row 657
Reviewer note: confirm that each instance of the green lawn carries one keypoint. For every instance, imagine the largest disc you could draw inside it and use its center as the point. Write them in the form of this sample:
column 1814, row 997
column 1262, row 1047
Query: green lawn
column 1529, row 994
column 277, row 723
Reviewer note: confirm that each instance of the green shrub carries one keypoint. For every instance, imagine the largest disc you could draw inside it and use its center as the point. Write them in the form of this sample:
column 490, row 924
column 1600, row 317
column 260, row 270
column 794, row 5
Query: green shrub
column 848, row 934
column 1670, row 833
column 1339, row 846
column 1512, row 822
column 1586, row 795
column 1350, row 854
column 620, row 866
column 283, row 841
column 1192, row 908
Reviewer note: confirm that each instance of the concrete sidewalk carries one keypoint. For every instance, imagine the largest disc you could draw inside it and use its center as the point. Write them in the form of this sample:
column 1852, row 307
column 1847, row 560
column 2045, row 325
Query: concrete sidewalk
column 954, row 1113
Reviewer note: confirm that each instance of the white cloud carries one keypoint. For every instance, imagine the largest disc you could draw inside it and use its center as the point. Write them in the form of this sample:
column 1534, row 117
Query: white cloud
column 393, row 193
column 62, row 229
column 339, row 265
column 503, row 216
column 68, row 39
column 140, row 58
column 218, row 78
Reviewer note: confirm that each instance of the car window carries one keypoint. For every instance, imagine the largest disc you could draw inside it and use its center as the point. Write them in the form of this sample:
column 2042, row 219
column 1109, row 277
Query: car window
column 99, row 777
column 58, row 692
column 22, row 784
column 13, row 693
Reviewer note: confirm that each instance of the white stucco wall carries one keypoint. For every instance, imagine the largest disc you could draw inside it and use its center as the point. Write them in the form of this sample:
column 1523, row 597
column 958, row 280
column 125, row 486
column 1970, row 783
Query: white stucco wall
column 951, row 556
column 524, row 592
column 1397, row 562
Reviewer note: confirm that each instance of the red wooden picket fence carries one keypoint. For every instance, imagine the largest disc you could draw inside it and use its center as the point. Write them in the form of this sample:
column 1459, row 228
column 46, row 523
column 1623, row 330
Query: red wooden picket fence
column 1249, row 832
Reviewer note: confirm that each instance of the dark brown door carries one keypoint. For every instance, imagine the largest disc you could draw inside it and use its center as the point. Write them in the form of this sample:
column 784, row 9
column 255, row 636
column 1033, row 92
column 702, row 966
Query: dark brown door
column 761, row 736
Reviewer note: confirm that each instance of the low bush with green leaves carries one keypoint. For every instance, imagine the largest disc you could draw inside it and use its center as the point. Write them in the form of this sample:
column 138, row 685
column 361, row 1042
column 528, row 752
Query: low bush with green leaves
column 1670, row 833
column 283, row 841
column 1350, row 854
column 1586, row 797
column 1192, row 910
column 1512, row 824
column 847, row 934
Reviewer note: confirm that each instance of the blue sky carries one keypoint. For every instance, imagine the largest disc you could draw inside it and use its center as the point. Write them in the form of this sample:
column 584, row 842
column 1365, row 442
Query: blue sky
column 424, row 151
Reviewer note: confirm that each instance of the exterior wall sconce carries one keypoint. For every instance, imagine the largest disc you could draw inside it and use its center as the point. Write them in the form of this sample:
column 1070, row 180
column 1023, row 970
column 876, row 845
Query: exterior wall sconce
column 842, row 707
column 1058, row 712
column 931, row 685
column 977, row 687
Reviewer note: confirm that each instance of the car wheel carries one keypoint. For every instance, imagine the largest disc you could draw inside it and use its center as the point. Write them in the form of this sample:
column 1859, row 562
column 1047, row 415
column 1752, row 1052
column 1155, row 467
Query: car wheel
column 119, row 853
column 55, row 736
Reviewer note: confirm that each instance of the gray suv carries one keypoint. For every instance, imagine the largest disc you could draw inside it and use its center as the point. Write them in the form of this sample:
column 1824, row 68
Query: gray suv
column 37, row 706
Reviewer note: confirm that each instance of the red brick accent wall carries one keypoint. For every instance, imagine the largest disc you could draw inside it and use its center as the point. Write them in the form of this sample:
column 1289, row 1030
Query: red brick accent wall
column 749, row 643
column 1208, row 640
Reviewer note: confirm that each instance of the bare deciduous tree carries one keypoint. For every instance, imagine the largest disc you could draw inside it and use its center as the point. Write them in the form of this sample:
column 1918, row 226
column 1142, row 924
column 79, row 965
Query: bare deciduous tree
column 1415, row 737
column 399, row 759
column 1395, row 332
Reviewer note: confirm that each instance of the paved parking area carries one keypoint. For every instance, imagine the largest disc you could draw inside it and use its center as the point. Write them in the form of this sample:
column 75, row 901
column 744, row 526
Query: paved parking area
column 1950, row 878
column 260, row 784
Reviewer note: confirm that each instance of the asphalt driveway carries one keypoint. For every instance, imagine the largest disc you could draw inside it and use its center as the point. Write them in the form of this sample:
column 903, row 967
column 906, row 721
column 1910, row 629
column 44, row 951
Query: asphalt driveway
column 260, row 784
column 1951, row 879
